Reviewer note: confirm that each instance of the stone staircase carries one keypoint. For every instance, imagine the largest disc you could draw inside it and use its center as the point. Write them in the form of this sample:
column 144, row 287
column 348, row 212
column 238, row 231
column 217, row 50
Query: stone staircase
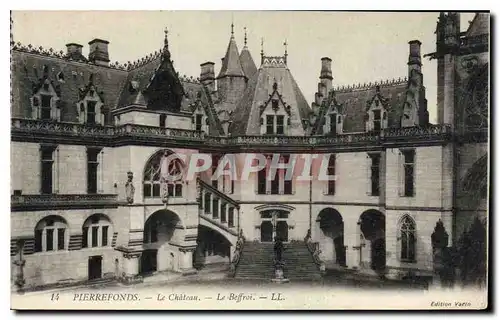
column 299, row 263
column 256, row 261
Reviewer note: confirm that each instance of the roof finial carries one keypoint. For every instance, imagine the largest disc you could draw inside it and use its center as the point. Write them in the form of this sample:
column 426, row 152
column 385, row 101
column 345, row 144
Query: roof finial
column 165, row 45
column 261, row 50
column 286, row 49
column 232, row 27
column 245, row 39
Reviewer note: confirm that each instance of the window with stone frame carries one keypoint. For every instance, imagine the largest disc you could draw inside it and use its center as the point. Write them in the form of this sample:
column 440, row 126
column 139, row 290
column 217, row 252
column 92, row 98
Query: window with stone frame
column 262, row 181
column 199, row 122
column 230, row 217
column 375, row 174
column 152, row 176
column 92, row 170
column 269, row 124
column 47, row 158
column 331, row 172
column 408, row 172
column 96, row 231
column 333, row 123
column 407, row 234
column 50, row 234
column 45, row 107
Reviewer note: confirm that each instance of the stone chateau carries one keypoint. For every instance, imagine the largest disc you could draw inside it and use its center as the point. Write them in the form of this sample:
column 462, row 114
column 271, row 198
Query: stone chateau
column 89, row 200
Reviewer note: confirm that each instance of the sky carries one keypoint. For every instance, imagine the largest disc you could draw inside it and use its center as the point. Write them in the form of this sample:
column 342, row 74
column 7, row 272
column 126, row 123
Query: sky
column 364, row 46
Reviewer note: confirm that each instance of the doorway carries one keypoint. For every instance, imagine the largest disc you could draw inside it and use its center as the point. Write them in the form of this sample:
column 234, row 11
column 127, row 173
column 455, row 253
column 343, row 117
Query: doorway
column 273, row 225
column 149, row 261
column 95, row 267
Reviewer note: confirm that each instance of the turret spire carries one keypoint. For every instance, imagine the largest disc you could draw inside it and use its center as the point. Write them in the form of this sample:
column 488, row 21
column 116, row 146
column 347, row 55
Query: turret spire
column 261, row 50
column 232, row 29
column 245, row 39
column 286, row 49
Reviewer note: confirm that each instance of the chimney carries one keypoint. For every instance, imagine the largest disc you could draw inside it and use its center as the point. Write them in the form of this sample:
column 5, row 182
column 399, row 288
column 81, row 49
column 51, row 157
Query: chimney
column 207, row 75
column 414, row 58
column 326, row 73
column 98, row 52
column 74, row 48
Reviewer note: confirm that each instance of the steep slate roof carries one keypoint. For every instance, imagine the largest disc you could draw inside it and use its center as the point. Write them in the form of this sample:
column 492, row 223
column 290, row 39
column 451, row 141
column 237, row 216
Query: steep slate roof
column 247, row 63
column 479, row 25
column 68, row 78
column 355, row 98
column 231, row 65
column 246, row 117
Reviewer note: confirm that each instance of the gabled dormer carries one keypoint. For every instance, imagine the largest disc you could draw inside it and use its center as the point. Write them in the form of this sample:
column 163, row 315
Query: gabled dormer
column 274, row 114
column 334, row 116
column 199, row 117
column 376, row 112
column 90, row 105
column 45, row 100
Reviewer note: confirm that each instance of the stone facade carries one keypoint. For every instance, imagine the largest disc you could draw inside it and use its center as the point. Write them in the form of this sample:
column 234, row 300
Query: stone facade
column 73, row 232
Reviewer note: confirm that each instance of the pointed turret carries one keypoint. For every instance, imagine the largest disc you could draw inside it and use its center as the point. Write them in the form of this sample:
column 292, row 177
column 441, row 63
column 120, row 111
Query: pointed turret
column 231, row 65
column 246, row 60
column 231, row 82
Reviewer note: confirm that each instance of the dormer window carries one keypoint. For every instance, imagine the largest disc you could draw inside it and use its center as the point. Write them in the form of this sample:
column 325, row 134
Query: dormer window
column 45, row 107
column 376, row 117
column 45, row 103
column 280, row 124
column 91, row 112
column 333, row 123
column 275, row 124
column 91, row 108
column 199, row 122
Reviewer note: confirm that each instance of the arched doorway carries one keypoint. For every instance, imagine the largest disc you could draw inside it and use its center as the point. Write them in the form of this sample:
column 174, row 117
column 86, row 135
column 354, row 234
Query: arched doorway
column 212, row 249
column 160, row 229
column 372, row 225
column 274, row 225
column 331, row 239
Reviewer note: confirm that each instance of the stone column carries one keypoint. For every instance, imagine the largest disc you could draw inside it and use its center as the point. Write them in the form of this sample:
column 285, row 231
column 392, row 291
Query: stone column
column 352, row 244
column 130, row 272
column 186, row 260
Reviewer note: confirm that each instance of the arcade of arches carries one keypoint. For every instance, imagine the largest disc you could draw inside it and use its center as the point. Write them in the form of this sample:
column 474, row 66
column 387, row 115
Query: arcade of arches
column 370, row 254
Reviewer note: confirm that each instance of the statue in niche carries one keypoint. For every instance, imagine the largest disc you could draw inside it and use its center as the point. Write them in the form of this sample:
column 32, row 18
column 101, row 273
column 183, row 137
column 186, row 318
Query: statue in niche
column 129, row 187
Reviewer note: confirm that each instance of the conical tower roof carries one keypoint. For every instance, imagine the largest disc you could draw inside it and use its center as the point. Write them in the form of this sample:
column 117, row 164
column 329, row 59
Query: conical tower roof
column 246, row 60
column 231, row 65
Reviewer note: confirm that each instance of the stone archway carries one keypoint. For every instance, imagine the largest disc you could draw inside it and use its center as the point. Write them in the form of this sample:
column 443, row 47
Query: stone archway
column 373, row 253
column 331, row 239
column 213, row 249
column 161, row 230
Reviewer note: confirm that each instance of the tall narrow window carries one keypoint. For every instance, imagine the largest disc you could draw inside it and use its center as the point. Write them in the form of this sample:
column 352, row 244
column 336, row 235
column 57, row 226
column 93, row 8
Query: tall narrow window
column 408, row 243
column 280, row 125
column 91, row 112
column 375, row 174
column 269, row 124
column 85, row 237
column 287, row 184
column 208, row 202
column 223, row 217
column 261, row 183
column 105, row 235
column 377, row 124
column 198, row 122
column 215, row 208
column 95, row 234
column 215, row 164
column 163, row 120
column 60, row 238
column 230, row 218
column 50, row 239
column 409, row 174
column 38, row 240
column 47, row 154
column 333, row 123
column 275, row 183
column 92, row 169
column 45, row 107
column 331, row 172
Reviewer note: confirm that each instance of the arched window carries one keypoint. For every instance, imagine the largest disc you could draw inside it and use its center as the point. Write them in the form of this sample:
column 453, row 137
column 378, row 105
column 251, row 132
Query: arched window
column 50, row 234
column 96, row 231
column 408, row 239
column 155, row 173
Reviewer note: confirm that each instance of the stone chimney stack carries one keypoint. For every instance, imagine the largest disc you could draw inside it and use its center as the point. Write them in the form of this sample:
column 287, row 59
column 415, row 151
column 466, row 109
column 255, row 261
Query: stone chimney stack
column 74, row 48
column 414, row 58
column 98, row 52
column 207, row 75
column 326, row 73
